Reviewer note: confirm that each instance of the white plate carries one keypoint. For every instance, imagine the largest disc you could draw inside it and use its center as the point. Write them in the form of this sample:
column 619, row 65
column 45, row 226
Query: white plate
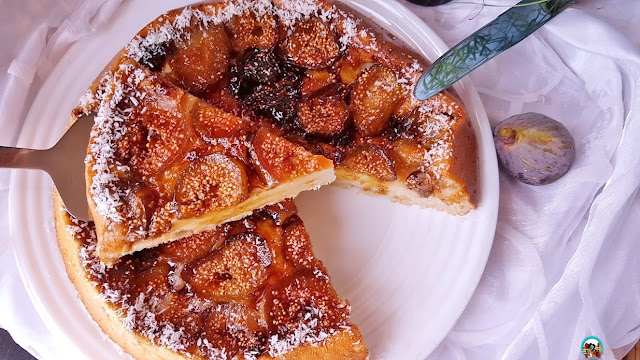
column 408, row 272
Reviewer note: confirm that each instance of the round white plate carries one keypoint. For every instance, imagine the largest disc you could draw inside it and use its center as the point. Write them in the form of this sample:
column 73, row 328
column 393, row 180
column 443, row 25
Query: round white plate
column 408, row 272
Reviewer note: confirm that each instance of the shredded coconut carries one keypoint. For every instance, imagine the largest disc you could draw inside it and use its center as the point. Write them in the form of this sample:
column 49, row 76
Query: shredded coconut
column 116, row 90
column 306, row 332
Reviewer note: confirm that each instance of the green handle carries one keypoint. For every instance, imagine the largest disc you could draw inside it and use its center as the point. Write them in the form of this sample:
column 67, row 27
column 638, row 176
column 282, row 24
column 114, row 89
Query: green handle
column 497, row 36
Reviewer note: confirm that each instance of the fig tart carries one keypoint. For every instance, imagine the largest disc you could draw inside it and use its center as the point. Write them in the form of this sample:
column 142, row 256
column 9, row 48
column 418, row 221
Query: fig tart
column 208, row 122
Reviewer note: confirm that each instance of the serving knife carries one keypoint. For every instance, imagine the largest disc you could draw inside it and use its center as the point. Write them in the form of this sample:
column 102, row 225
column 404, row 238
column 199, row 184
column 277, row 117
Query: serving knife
column 508, row 29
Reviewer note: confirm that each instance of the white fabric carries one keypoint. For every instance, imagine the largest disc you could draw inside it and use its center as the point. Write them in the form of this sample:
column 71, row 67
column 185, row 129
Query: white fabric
column 564, row 262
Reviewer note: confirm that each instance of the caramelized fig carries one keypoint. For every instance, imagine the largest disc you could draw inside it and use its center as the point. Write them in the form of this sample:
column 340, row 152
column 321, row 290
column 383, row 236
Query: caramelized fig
column 201, row 61
column 408, row 156
column 306, row 296
column 216, row 181
column 277, row 160
column 155, row 137
column 375, row 94
column 312, row 44
column 297, row 245
column 371, row 160
column 323, row 115
column 236, row 270
column 233, row 327
column 267, row 86
column 213, row 123
column 191, row 248
column 251, row 30
column 428, row 126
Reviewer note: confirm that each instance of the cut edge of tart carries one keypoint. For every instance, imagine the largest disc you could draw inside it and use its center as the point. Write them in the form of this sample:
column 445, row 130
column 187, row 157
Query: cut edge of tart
column 107, row 309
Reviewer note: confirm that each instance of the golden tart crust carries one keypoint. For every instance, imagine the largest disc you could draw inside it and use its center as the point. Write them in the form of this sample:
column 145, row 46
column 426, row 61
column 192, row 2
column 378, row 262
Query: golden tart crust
column 250, row 289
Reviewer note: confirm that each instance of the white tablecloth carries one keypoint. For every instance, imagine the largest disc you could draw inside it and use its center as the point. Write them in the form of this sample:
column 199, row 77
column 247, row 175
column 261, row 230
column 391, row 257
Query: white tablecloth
column 564, row 264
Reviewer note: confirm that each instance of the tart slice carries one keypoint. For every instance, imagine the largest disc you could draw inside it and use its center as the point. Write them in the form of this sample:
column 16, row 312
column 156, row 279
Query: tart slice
column 163, row 164
column 249, row 289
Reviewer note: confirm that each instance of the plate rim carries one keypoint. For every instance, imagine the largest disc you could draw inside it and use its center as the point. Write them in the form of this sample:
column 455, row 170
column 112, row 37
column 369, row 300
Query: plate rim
column 21, row 180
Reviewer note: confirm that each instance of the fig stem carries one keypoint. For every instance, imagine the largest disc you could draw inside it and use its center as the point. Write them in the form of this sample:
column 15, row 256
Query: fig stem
column 510, row 135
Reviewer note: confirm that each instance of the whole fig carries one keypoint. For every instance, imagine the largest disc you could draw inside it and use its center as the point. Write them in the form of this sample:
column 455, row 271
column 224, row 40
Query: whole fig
column 534, row 148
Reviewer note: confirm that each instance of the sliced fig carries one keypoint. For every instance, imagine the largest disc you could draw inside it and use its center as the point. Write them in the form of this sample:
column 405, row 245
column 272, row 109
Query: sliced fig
column 371, row 160
column 173, row 309
column 154, row 277
column 305, row 297
column 212, row 123
column 154, row 138
column 233, row 327
column 213, row 182
column 251, row 30
column 139, row 204
column 375, row 94
column 323, row 115
column 312, row 44
column 268, row 86
column 427, row 125
column 277, row 160
column 297, row 245
column 355, row 61
column 201, row 61
column 408, row 156
column 192, row 248
column 237, row 269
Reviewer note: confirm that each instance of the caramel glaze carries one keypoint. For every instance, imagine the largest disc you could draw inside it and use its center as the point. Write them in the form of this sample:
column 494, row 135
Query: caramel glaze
column 346, row 104
column 350, row 103
column 248, row 288
column 183, row 156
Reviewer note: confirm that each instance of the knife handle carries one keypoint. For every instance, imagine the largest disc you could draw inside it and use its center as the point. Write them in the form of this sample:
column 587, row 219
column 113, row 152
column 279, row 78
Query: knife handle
column 508, row 29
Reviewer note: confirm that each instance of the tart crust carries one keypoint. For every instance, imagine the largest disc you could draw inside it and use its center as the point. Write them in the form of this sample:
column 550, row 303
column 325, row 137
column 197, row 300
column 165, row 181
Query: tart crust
column 345, row 344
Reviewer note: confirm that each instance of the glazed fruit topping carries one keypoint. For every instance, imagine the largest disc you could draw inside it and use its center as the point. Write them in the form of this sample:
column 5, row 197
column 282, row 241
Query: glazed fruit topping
column 213, row 182
column 223, row 290
column 234, row 271
column 212, row 123
column 268, row 85
column 371, row 160
column 374, row 98
column 251, row 30
column 323, row 115
column 306, row 295
column 201, row 61
column 312, row 44
column 157, row 136
column 277, row 160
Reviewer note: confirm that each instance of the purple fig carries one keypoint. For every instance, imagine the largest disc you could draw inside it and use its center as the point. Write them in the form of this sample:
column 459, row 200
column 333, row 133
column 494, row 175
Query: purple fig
column 534, row 148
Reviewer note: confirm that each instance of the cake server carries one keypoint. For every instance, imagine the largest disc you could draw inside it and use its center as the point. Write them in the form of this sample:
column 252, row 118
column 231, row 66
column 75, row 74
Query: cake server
column 506, row 30
column 64, row 162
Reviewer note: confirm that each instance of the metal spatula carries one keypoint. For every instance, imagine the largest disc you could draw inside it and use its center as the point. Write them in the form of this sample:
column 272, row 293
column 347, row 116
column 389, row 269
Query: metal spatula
column 64, row 162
